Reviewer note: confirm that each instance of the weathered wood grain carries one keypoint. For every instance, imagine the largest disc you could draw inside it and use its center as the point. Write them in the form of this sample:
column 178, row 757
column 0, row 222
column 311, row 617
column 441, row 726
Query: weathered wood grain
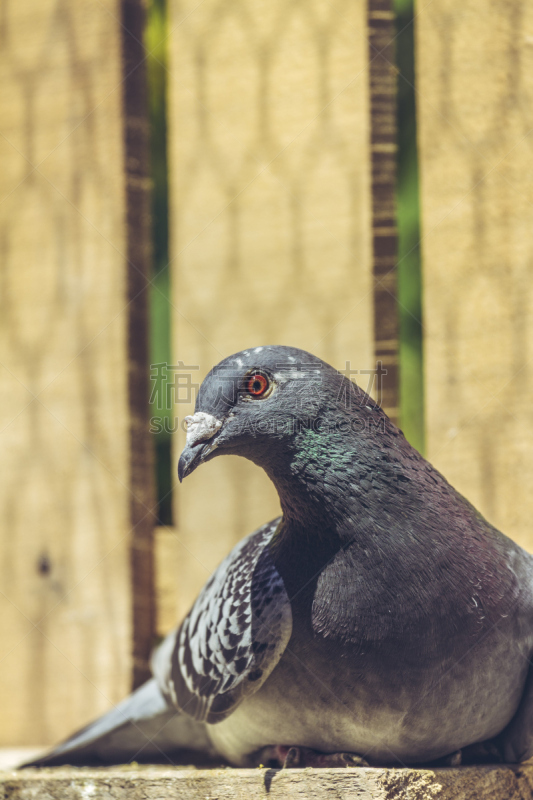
column 272, row 217
column 169, row 554
column 475, row 89
column 468, row 783
column 69, row 188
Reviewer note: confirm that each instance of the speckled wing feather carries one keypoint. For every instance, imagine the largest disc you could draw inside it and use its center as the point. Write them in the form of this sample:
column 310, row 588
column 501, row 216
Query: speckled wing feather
column 232, row 638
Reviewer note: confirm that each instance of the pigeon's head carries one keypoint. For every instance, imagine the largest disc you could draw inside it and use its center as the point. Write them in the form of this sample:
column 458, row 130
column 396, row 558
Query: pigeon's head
column 254, row 403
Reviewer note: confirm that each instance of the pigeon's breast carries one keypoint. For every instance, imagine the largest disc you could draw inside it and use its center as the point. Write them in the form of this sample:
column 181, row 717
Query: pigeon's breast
column 386, row 713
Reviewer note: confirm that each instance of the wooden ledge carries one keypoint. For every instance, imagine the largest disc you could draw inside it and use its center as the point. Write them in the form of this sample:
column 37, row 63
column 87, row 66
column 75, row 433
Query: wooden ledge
column 161, row 783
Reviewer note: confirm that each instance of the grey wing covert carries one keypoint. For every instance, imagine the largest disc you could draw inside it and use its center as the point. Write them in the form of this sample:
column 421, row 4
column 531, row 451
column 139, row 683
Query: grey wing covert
column 232, row 638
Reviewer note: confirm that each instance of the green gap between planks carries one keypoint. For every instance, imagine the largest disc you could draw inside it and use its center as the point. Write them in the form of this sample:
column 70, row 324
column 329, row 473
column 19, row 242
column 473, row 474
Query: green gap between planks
column 160, row 348
column 408, row 220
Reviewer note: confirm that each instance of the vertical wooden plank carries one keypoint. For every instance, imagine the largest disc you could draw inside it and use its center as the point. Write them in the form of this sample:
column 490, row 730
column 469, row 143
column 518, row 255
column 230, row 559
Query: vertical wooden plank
column 142, row 489
column 271, row 218
column 384, row 235
column 69, row 366
column 475, row 79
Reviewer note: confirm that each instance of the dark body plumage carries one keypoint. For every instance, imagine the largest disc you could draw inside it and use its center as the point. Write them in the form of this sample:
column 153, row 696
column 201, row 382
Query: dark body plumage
column 381, row 615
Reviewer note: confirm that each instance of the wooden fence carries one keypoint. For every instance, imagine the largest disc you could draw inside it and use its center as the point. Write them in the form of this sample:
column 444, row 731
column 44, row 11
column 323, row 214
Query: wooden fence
column 281, row 152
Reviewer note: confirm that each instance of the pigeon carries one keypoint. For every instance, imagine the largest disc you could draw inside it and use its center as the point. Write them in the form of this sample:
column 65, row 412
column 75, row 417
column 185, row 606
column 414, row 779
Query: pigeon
column 381, row 620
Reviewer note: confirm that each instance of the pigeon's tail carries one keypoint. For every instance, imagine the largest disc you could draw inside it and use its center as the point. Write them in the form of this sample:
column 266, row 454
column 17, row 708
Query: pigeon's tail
column 140, row 728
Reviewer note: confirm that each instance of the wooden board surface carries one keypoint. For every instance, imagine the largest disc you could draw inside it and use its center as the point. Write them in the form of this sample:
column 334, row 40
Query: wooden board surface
column 468, row 783
column 271, row 220
column 66, row 432
column 475, row 90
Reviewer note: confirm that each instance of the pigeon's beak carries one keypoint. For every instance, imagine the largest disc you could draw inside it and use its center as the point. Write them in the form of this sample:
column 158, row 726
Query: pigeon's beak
column 189, row 460
column 192, row 457
column 202, row 429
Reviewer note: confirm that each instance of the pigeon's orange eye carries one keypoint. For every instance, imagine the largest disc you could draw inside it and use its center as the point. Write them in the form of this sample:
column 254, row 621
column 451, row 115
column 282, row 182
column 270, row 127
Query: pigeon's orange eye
column 256, row 384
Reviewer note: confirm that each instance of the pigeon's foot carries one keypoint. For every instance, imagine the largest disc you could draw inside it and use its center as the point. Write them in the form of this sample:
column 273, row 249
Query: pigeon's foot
column 289, row 757
column 452, row 760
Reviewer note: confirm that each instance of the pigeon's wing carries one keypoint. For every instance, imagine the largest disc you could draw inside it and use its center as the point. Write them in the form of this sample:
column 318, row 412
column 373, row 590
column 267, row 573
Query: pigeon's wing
column 233, row 636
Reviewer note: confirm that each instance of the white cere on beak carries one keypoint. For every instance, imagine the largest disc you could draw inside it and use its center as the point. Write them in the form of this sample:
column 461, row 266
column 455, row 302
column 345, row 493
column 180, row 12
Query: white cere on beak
column 201, row 426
